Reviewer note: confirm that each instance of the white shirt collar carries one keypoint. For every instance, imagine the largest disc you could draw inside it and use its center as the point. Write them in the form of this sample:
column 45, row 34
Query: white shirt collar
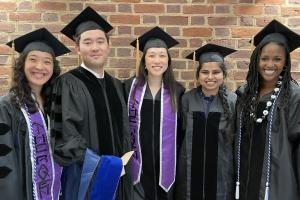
column 93, row 72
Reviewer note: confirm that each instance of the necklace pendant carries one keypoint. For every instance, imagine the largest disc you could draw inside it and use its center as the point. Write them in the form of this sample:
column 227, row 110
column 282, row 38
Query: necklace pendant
column 259, row 120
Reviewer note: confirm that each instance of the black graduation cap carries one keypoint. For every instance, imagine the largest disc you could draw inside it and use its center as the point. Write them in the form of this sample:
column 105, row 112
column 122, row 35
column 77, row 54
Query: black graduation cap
column 156, row 37
column 41, row 40
column 293, row 39
column 88, row 19
column 210, row 53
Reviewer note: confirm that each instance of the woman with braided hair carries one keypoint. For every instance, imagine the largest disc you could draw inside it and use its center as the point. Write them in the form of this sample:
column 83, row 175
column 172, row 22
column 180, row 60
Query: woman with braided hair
column 267, row 150
column 204, row 168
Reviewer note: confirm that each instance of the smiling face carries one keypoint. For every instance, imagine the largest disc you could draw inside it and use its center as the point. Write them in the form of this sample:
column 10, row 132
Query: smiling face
column 38, row 68
column 210, row 78
column 271, row 62
column 156, row 61
column 93, row 48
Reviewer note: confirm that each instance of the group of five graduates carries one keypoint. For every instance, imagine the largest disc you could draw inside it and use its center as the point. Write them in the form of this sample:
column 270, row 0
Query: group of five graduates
column 208, row 143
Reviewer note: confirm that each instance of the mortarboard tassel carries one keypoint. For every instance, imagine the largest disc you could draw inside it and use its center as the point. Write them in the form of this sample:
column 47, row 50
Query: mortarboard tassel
column 137, row 56
column 194, row 68
column 13, row 61
column 267, row 192
column 13, row 54
column 252, row 43
column 237, row 190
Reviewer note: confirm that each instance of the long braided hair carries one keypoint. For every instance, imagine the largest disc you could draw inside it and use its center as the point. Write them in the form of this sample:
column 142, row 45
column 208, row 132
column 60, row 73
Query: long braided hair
column 253, row 85
column 21, row 91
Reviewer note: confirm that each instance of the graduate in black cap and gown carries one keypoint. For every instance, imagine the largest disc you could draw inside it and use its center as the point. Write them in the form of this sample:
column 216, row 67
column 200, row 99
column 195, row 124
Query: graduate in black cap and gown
column 205, row 165
column 27, row 168
column 89, row 112
column 153, row 107
column 267, row 142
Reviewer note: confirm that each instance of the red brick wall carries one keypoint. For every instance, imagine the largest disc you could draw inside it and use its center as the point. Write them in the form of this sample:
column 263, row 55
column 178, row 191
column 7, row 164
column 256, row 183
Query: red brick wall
column 193, row 22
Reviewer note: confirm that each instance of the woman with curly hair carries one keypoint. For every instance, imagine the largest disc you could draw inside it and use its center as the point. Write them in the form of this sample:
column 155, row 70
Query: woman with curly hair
column 267, row 145
column 27, row 169
column 205, row 166
column 153, row 99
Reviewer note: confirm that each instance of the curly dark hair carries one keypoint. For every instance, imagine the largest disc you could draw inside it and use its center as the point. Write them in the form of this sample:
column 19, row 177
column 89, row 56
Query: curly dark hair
column 254, row 80
column 168, row 78
column 21, row 91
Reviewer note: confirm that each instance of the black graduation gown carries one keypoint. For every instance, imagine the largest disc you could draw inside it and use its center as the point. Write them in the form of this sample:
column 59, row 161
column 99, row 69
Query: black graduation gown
column 15, row 163
column 90, row 113
column 285, row 151
column 149, row 188
column 204, row 170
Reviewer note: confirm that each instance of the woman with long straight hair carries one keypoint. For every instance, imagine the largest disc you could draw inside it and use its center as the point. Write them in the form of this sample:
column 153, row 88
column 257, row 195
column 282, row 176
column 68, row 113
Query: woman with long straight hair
column 153, row 99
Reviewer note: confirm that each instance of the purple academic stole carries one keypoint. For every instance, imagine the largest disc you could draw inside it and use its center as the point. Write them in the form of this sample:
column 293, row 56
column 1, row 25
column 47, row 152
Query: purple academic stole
column 168, row 127
column 46, row 173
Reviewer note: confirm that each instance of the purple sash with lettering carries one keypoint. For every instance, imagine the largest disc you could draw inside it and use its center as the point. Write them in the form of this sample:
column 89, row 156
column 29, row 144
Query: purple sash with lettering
column 46, row 173
column 168, row 127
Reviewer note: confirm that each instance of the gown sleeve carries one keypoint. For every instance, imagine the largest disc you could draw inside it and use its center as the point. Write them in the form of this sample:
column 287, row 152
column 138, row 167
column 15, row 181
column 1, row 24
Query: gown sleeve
column 181, row 171
column 180, row 130
column 184, row 110
column 126, row 88
column 67, row 116
column 9, row 169
column 294, row 134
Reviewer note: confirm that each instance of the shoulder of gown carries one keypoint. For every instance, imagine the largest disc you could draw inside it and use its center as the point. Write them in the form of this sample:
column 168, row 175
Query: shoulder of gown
column 179, row 88
column 295, row 91
column 186, row 97
column 12, row 145
column 231, row 99
column 69, row 107
column 5, row 100
column 8, row 111
column 240, row 90
column 293, row 107
column 6, row 114
column 127, row 85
